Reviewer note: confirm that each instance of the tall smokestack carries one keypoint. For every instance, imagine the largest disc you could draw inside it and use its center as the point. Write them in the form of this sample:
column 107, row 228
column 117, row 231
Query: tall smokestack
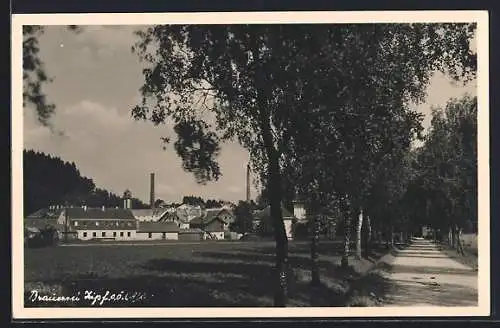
column 248, row 183
column 152, row 191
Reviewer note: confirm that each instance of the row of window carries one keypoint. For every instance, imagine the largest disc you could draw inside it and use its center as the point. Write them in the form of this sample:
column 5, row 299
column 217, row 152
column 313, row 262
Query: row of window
column 103, row 234
column 117, row 223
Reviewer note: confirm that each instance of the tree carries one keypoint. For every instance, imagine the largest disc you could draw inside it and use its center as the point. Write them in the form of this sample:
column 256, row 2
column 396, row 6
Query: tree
column 374, row 119
column 447, row 179
column 262, row 85
column 243, row 221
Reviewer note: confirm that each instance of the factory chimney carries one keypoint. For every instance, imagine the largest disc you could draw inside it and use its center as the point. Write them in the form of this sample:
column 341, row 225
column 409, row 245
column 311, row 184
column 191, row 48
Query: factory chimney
column 152, row 191
column 248, row 183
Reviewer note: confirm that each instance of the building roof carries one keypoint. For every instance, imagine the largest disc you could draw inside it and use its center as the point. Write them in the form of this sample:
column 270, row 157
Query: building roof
column 185, row 213
column 99, row 213
column 158, row 212
column 206, row 219
column 157, row 227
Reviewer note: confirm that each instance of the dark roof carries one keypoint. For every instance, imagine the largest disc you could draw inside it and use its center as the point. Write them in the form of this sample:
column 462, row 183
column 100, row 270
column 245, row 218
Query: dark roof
column 212, row 213
column 266, row 212
column 98, row 213
column 157, row 227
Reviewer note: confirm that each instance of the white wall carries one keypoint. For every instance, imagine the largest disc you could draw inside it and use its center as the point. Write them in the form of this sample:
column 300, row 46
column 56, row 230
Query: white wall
column 288, row 229
column 109, row 234
column 299, row 211
column 157, row 236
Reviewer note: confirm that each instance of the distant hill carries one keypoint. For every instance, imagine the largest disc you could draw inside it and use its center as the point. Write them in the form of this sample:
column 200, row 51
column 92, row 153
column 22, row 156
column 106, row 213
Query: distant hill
column 48, row 180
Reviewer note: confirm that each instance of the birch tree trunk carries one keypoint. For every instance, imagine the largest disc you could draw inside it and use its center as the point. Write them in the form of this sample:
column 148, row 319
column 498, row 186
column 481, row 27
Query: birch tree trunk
column 359, row 228
column 347, row 235
column 368, row 234
column 315, row 279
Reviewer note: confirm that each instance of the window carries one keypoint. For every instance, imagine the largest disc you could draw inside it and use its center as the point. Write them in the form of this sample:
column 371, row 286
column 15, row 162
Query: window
column 128, row 234
column 114, row 233
column 94, row 234
column 85, row 234
column 150, row 235
column 121, row 233
column 104, row 234
column 76, row 223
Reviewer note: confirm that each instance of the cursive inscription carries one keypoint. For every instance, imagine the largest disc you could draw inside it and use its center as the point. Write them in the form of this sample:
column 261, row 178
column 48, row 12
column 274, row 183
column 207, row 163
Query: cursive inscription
column 88, row 297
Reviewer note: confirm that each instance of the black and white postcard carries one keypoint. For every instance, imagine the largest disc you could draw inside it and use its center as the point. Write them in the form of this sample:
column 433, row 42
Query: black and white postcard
column 265, row 164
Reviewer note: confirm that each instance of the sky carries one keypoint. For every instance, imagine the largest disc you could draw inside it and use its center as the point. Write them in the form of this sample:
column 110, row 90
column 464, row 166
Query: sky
column 96, row 83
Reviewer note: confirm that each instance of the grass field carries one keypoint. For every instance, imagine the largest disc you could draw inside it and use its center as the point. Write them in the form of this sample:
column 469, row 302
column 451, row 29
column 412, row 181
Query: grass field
column 186, row 274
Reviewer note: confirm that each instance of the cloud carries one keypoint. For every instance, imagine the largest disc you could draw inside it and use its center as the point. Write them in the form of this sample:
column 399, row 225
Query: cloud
column 118, row 152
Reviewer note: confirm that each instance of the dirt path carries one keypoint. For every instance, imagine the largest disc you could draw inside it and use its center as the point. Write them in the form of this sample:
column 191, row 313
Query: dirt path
column 423, row 275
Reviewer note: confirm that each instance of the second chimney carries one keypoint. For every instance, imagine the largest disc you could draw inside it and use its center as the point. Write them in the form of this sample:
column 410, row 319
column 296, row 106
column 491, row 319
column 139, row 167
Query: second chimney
column 152, row 191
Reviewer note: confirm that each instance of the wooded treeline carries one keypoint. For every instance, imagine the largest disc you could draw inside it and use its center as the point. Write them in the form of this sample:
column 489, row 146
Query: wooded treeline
column 48, row 180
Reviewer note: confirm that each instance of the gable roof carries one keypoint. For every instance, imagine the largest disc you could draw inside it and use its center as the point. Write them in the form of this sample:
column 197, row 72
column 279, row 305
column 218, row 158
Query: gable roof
column 212, row 213
column 157, row 227
column 98, row 213
column 158, row 212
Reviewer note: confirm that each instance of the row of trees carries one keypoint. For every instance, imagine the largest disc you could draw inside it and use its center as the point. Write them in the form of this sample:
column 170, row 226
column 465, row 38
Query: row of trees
column 324, row 110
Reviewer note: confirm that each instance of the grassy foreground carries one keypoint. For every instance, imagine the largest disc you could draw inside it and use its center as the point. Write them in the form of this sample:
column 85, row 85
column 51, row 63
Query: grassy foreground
column 207, row 274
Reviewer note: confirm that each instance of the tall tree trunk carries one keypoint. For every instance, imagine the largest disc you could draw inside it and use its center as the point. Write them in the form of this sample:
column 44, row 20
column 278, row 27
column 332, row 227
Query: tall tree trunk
column 387, row 237
column 280, row 298
column 380, row 237
column 347, row 235
column 332, row 231
column 315, row 279
column 368, row 234
column 452, row 237
column 460, row 248
column 275, row 193
column 359, row 227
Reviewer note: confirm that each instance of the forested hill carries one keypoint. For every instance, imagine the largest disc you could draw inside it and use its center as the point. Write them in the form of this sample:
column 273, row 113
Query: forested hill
column 49, row 180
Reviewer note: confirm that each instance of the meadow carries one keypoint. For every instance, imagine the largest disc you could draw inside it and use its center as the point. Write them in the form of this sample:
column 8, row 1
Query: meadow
column 206, row 274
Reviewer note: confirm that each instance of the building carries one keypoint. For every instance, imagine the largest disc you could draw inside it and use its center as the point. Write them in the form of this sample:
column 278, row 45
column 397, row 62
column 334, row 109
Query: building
column 157, row 231
column 214, row 226
column 99, row 223
column 45, row 217
column 222, row 213
column 191, row 234
column 263, row 219
column 149, row 214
